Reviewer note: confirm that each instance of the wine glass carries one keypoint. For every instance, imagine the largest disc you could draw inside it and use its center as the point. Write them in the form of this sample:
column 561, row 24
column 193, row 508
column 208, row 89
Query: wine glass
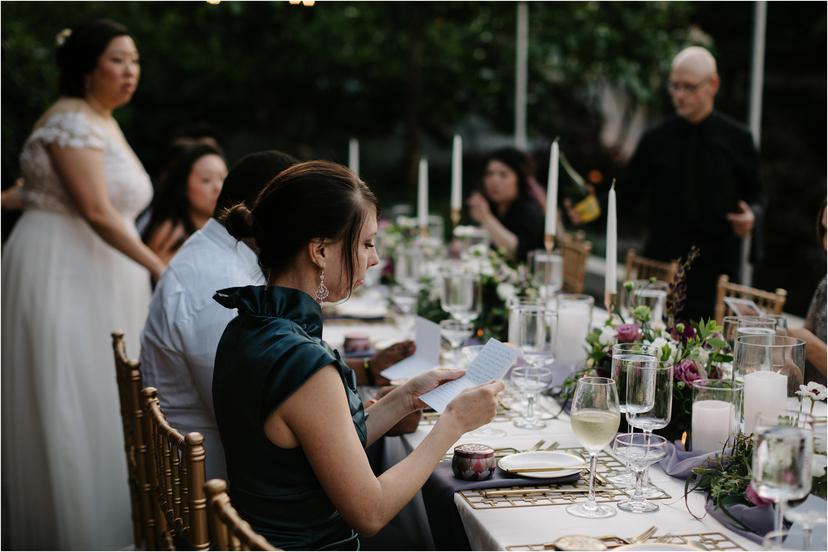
column 658, row 417
column 627, row 356
column 782, row 457
column 640, row 450
column 459, row 291
column 595, row 417
column 531, row 380
column 547, row 269
column 456, row 333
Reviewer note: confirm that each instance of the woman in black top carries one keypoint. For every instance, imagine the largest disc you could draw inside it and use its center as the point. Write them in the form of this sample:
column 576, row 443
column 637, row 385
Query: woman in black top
column 292, row 424
column 505, row 208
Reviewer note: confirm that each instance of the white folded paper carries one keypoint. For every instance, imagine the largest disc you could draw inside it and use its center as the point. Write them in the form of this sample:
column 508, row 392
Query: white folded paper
column 490, row 364
column 426, row 357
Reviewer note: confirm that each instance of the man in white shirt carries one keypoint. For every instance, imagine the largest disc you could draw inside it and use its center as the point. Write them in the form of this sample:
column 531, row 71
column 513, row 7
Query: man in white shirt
column 178, row 344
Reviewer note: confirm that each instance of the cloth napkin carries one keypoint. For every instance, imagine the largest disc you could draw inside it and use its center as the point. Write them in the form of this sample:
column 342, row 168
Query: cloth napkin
column 759, row 519
column 438, row 495
column 679, row 462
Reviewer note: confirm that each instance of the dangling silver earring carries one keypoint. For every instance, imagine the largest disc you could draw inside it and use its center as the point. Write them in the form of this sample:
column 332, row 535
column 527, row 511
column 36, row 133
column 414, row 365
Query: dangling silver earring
column 322, row 291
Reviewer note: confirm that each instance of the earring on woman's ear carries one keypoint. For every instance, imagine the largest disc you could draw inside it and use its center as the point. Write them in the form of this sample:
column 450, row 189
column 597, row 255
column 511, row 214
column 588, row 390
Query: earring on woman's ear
column 322, row 291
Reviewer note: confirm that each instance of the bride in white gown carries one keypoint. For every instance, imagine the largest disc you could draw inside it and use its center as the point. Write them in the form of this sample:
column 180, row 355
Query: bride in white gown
column 73, row 270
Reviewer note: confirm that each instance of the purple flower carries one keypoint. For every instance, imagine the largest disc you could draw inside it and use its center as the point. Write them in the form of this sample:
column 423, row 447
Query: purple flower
column 687, row 371
column 627, row 333
column 753, row 497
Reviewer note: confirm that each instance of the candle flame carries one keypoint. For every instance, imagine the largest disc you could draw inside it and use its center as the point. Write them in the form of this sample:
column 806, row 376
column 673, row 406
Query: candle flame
column 683, row 438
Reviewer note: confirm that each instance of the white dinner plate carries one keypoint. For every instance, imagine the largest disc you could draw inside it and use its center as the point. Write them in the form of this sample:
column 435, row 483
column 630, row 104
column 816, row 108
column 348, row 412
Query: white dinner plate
column 542, row 459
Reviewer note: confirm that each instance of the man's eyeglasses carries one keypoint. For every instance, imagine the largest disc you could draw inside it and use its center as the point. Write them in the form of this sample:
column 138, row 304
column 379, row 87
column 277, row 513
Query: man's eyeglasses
column 674, row 87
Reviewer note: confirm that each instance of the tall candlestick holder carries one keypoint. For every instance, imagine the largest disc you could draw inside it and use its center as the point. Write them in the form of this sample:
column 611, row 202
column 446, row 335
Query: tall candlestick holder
column 455, row 217
column 610, row 302
column 549, row 242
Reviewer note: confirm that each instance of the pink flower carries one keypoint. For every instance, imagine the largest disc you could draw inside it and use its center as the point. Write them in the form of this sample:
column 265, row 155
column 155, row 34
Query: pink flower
column 753, row 497
column 627, row 333
column 687, row 371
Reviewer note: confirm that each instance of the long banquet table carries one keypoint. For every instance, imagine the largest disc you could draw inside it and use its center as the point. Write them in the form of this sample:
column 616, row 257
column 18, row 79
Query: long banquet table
column 503, row 527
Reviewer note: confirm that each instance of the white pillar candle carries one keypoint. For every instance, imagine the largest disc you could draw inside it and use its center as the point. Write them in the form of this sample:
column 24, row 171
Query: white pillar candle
column 713, row 423
column 422, row 194
column 457, row 173
column 573, row 327
column 765, row 392
column 353, row 155
column 610, row 278
column 552, row 191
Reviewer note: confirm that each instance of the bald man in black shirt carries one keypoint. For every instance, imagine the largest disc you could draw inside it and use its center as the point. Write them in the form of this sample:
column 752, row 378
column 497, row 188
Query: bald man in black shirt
column 696, row 177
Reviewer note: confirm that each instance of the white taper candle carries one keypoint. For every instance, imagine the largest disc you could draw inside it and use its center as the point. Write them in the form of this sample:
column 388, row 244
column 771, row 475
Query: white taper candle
column 353, row 155
column 610, row 281
column 422, row 193
column 457, row 173
column 552, row 191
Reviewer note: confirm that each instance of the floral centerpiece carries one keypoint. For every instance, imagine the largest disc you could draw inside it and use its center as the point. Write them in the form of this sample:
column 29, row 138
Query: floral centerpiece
column 501, row 282
column 727, row 478
column 697, row 349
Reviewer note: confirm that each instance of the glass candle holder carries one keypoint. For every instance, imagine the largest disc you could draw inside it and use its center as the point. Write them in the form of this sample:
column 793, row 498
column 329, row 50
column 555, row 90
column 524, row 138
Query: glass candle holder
column 574, row 322
column 771, row 368
column 717, row 407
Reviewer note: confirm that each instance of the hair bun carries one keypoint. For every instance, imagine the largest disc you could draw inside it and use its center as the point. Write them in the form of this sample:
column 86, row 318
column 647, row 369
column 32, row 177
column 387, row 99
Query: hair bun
column 238, row 220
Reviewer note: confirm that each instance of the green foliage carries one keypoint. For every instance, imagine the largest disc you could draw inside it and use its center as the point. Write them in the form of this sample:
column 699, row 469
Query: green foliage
column 399, row 75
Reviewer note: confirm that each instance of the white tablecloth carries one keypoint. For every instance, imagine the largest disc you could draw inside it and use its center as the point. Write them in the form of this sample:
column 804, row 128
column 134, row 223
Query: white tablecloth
column 495, row 529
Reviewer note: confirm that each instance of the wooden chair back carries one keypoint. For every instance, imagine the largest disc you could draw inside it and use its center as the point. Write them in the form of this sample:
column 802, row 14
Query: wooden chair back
column 642, row 268
column 771, row 302
column 575, row 251
column 228, row 530
column 176, row 476
column 128, row 376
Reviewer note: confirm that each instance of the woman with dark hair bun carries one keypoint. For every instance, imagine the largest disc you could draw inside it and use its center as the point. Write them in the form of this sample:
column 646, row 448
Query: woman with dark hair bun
column 187, row 193
column 504, row 206
column 293, row 426
column 74, row 269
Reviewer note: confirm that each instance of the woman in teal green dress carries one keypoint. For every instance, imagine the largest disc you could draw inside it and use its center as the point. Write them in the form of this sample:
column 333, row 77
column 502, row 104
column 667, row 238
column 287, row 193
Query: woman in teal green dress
column 293, row 427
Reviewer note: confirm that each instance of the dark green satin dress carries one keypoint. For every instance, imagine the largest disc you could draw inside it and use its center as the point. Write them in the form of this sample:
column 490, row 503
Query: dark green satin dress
column 265, row 354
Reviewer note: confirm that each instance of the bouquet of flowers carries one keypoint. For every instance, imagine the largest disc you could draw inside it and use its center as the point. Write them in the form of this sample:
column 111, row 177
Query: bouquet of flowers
column 697, row 349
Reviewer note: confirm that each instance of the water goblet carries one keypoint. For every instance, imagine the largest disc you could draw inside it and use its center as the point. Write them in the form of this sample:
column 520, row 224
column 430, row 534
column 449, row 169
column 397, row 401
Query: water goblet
column 627, row 356
column 460, row 291
column 658, row 417
column 640, row 450
column 456, row 333
column 781, row 465
column 531, row 380
column 595, row 417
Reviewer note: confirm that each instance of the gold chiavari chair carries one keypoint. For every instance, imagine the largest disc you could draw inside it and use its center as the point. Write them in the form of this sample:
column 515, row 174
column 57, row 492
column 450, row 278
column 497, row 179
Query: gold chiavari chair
column 228, row 530
column 128, row 375
column 176, row 476
column 771, row 302
column 642, row 268
column 575, row 251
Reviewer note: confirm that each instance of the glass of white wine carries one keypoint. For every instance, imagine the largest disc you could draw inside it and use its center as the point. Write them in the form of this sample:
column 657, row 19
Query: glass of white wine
column 595, row 417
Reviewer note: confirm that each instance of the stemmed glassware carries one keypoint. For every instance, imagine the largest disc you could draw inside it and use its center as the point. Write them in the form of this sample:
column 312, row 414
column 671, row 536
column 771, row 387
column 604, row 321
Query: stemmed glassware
column 456, row 333
column 658, row 417
column 460, row 291
column 640, row 450
column 782, row 457
column 640, row 360
column 408, row 264
column 531, row 380
column 536, row 339
column 595, row 417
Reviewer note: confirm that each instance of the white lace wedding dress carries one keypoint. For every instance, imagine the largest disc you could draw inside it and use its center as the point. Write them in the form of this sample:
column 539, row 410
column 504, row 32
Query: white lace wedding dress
column 63, row 291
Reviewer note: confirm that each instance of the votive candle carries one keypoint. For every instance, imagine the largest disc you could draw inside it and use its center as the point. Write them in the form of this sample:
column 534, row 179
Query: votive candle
column 713, row 423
